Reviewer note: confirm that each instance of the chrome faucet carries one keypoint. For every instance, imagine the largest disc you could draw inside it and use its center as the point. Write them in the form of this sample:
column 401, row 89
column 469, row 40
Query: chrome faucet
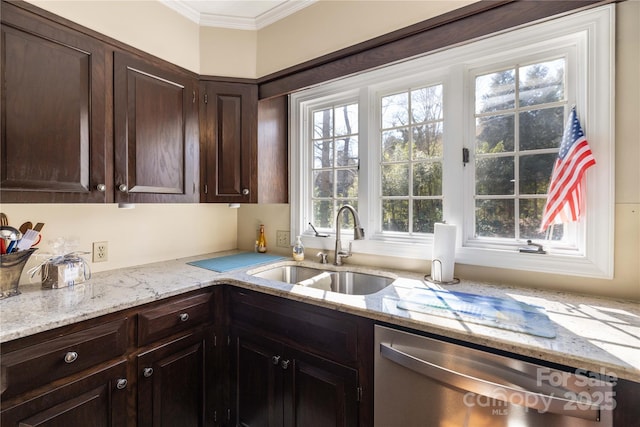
column 358, row 234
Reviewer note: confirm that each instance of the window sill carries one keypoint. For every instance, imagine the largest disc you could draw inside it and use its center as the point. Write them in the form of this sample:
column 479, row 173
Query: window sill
column 568, row 265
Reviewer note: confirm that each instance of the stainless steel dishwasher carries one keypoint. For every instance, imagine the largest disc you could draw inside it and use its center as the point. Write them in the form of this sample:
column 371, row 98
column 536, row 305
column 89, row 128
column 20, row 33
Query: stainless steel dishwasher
column 423, row 382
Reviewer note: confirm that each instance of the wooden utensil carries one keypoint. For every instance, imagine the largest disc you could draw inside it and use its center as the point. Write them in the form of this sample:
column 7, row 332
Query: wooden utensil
column 26, row 226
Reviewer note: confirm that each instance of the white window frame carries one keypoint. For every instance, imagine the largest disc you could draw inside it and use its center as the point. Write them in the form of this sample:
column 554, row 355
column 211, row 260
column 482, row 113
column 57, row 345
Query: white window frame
column 587, row 35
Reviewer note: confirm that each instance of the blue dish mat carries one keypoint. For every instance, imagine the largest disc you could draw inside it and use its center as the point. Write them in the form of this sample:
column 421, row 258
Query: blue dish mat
column 233, row 262
column 484, row 310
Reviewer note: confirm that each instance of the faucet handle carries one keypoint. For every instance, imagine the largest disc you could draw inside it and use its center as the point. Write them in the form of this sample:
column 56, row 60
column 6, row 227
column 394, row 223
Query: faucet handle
column 323, row 257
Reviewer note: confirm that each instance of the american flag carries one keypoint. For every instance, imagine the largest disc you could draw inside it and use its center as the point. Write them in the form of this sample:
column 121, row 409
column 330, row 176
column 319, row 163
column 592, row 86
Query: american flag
column 565, row 195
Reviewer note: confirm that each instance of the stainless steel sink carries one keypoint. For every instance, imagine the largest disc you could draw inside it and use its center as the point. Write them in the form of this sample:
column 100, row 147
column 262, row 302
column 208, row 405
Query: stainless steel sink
column 344, row 282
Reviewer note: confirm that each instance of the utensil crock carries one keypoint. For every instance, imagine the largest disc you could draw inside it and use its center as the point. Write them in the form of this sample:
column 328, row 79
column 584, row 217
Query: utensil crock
column 11, row 266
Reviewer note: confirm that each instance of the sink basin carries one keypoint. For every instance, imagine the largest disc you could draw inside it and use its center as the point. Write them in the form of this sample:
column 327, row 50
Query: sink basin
column 344, row 282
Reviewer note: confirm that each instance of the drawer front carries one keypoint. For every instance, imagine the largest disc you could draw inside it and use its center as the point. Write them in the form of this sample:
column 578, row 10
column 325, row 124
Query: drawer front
column 314, row 329
column 97, row 399
column 43, row 363
column 174, row 317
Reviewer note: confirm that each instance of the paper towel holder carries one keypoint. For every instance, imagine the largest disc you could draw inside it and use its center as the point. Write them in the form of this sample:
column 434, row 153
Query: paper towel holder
column 430, row 279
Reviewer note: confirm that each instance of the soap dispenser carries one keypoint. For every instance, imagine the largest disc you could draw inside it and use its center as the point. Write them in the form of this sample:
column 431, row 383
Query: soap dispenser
column 298, row 250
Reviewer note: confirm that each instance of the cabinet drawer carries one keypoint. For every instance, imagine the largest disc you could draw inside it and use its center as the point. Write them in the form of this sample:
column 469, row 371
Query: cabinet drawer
column 33, row 366
column 314, row 329
column 97, row 399
column 174, row 317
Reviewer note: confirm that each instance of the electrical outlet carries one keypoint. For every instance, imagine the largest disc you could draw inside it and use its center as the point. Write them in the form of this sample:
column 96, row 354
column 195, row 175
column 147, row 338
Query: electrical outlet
column 100, row 251
column 283, row 239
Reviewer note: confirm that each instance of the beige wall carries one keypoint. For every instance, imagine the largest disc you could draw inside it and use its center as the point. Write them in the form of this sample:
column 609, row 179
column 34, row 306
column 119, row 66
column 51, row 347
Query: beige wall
column 147, row 233
column 139, row 236
column 329, row 25
column 146, row 25
column 323, row 27
column 225, row 52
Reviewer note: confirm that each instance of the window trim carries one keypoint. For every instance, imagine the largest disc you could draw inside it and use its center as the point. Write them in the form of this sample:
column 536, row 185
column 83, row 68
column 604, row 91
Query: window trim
column 596, row 28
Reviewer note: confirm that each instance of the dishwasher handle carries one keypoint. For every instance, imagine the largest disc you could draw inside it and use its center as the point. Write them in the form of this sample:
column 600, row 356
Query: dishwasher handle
column 539, row 401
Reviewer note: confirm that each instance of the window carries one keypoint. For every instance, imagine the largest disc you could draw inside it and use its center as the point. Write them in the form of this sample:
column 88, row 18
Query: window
column 519, row 116
column 334, row 137
column 411, row 163
column 468, row 135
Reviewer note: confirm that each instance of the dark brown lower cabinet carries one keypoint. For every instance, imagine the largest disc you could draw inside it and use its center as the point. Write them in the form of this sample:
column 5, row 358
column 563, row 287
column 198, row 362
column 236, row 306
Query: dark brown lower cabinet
column 175, row 382
column 281, row 386
column 295, row 364
column 154, row 365
column 98, row 399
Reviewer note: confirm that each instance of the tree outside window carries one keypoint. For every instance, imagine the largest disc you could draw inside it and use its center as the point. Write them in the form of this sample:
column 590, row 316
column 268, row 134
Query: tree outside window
column 335, row 163
column 519, row 115
column 411, row 163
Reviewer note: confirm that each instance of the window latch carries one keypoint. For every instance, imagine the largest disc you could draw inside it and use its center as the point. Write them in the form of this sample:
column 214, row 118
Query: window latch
column 465, row 156
column 532, row 248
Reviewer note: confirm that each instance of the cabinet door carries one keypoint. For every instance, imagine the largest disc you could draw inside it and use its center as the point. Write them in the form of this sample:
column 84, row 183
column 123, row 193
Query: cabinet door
column 273, row 153
column 258, row 394
column 228, row 133
column 156, row 132
column 53, row 140
column 279, row 386
column 319, row 392
column 175, row 382
column 98, row 399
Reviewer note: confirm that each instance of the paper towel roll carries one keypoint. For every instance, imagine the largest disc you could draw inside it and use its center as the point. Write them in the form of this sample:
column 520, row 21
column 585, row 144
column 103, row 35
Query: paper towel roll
column 444, row 252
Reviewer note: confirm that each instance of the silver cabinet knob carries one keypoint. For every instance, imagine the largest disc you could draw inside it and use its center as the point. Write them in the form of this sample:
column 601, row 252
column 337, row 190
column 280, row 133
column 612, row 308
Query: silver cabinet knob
column 285, row 364
column 184, row 317
column 275, row 360
column 101, row 188
column 123, row 188
column 147, row 372
column 70, row 357
column 121, row 383
column 245, row 191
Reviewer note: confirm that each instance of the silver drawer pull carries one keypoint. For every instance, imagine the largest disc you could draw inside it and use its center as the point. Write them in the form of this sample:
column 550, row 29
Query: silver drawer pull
column 121, row 383
column 285, row 364
column 147, row 372
column 70, row 357
column 184, row 317
column 275, row 360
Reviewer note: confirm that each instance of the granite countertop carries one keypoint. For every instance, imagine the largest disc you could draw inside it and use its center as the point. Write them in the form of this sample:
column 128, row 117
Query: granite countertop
column 598, row 334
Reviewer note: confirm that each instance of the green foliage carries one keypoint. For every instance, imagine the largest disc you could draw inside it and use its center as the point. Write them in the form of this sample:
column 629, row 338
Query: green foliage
column 510, row 159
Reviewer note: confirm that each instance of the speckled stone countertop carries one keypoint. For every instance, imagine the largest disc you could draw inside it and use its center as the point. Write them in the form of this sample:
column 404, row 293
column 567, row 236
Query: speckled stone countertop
column 598, row 334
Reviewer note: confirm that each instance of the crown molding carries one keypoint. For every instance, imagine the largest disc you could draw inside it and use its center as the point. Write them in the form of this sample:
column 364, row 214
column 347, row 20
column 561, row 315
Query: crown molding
column 281, row 11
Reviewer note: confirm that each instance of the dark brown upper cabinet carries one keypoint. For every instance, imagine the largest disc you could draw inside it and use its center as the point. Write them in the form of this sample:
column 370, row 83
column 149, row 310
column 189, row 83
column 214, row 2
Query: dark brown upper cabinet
column 155, row 132
column 228, row 135
column 273, row 153
column 54, row 141
column 86, row 121
column 243, row 145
